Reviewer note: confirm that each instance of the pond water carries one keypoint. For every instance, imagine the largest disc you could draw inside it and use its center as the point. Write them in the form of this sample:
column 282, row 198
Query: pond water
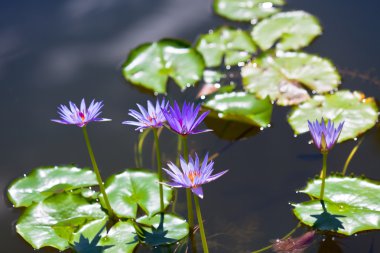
column 52, row 52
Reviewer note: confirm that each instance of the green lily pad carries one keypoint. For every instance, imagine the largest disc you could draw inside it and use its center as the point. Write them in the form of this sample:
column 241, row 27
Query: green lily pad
column 291, row 30
column 54, row 221
column 150, row 65
column 234, row 45
column 213, row 76
column 358, row 113
column 120, row 238
column 246, row 10
column 161, row 229
column 355, row 201
column 284, row 76
column 44, row 182
column 241, row 107
column 135, row 187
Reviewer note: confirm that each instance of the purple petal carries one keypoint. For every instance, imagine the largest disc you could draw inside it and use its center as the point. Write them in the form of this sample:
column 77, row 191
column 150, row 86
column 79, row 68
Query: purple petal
column 198, row 191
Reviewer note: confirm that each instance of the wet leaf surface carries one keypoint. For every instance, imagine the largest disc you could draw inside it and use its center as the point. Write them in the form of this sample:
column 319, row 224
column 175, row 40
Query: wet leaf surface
column 136, row 188
column 285, row 76
column 350, row 205
column 290, row 30
column 150, row 65
column 44, row 182
column 53, row 221
column 358, row 113
column 232, row 45
column 246, row 10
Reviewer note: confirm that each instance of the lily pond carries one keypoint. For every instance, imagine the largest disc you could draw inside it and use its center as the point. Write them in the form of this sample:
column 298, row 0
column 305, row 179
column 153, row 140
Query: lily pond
column 190, row 126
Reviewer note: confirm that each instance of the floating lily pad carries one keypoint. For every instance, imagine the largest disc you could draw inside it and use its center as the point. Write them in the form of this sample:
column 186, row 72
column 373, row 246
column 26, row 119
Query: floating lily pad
column 135, row 187
column 150, row 65
column 120, row 238
column 212, row 76
column 284, row 76
column 246, row 10
column 54, row 221
column 241, row 107
column 291, row 30
column 234, row 45
column 44, row 182
column 161, row 229
column 358, row 200
column 358, row 113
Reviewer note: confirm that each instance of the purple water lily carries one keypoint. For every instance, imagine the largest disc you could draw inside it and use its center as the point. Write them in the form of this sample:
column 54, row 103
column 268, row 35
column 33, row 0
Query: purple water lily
column 185, row 122
column 80, row 116
column 193, row 174
column 324, row 136
column 151, row 118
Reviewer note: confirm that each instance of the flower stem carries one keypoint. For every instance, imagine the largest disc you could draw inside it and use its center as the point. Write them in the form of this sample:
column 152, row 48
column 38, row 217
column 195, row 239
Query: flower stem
column 190, row 213
column 159, row 169
column 351, row 155
column 179, row 151
column 201, row 227
column 97, row 173
column 324, row 170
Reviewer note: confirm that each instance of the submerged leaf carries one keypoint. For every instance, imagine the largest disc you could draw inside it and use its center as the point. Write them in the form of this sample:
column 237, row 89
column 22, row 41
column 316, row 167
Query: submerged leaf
column 240, row 107
column 291, row 30
column 234, row 45
column 246, row 10
column 350, row 205
column 44, row 182
column 136, row 188
column 54, row 221
column 283, row 77
column 358, row 113
column 150, row 65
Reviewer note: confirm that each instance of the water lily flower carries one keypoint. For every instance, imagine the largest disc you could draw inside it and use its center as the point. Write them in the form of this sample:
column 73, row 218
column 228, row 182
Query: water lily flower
column 151, row 118
column 185, row 122
column 324, row 136
column 192, row 174
column 80, row 116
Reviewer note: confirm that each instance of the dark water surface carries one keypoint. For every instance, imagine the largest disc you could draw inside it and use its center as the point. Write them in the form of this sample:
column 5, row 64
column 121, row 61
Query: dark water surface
column 55, row 51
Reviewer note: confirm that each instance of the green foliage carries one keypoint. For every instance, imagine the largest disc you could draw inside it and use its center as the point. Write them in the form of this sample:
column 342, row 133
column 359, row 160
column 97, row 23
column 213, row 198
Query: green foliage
column 240, row 107
column 136, row 188
column 120, row 238
column 291, row 30
column 150, row 65
column 53, row 221
column 358, row 113
column 44, row 182
column 284, row 76
column 161, row 229
column 351, row 205
column 246, row 10
column 234, row 45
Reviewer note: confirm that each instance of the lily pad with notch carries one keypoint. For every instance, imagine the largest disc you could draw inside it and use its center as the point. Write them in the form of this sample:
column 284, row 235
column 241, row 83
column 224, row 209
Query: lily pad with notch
column 358, row 113
column 354, row 202
column 150, row 65
column 54, row 221
column 46, row 181
column 232, row 45
column 290, row 30
column 284, row 76
column 246, row 10
column 135, row 188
